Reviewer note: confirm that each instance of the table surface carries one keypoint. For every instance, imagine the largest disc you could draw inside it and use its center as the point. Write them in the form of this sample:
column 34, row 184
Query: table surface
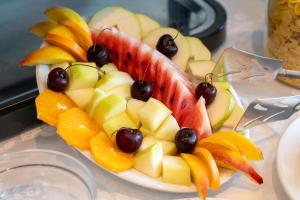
column 245, row 30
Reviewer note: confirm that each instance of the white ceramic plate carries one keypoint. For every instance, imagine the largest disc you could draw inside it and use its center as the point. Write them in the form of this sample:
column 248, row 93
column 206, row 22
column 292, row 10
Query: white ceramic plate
column 133, row 175
column 288, row 160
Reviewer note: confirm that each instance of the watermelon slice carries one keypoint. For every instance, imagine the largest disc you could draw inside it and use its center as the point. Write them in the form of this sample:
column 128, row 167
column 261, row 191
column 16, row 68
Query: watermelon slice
column 170, row 84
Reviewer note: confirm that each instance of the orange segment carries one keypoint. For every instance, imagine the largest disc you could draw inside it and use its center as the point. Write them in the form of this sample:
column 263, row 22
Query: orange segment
column 68, row 45
column 83, row 36
column 77, row 128
column 106, row 154
column 50, row 105
column 43, row 27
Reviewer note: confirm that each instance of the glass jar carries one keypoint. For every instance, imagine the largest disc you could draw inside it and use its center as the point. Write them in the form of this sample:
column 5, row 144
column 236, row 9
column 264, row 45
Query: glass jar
column 284, row 34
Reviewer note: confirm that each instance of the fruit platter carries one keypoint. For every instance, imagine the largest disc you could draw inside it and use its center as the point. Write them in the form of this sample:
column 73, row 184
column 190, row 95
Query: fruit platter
column 138, row 100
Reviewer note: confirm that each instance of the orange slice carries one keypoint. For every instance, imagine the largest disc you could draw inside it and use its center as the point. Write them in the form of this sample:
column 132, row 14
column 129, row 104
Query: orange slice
column 50, row 105
column 107, row 155
column 77, row 128
column 66, row 44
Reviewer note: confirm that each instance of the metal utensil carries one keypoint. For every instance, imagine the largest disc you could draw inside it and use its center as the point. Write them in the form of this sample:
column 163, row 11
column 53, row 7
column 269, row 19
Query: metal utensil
column 268, row 110
column 236, row 65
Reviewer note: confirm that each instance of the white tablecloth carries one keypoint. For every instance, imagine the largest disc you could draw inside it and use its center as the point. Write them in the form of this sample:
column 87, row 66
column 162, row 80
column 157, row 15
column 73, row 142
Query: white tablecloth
column 245, row 30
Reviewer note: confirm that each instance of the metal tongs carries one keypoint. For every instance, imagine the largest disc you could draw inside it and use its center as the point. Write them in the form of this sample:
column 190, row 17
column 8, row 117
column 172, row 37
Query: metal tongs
column 236, row 65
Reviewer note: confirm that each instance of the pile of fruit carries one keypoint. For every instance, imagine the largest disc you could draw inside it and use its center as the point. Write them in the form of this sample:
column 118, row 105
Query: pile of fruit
column 117, row 86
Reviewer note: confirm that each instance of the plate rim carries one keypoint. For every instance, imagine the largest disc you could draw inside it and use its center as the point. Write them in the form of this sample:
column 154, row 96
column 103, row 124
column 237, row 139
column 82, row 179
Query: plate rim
column 280, row 174
column 42, row 70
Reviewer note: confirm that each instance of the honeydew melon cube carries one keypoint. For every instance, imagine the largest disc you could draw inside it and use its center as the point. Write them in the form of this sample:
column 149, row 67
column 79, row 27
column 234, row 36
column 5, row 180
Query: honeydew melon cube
column 81, row 97
column 149, row 161
column 152, row 114
column 121, row 120
column 176, row 171
column 145, row 131
column 113, row 79
column 169, row 148
column 96, row 98
column 133, row 108
column 108, row 107
column 168, row 129
column 122, row 90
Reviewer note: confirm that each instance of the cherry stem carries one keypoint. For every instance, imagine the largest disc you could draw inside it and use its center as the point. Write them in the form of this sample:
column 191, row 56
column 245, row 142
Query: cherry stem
column 176, row 35
column 101, row 33
column 208, row 76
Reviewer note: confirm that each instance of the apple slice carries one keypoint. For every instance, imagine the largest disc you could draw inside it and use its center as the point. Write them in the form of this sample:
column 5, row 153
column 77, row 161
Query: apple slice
column 168, row 129
column 183, row 53
column 122, row 90
column 121, row 120
column 133, row 108
column 147, row 24
column 153, row 113
column 235, row 117
column 60, row 14
column 221, row 108
column 82, row 76
column 113, row 79
column 201, row 68
column 41, row 28
column 96, row 98
column 63, row 65
column 198, row 50
column 68, row 45
column 149, row 161
column 47, row 55
column 176, row 171
column 119, row 17
column 81, row 97
column 108, row 107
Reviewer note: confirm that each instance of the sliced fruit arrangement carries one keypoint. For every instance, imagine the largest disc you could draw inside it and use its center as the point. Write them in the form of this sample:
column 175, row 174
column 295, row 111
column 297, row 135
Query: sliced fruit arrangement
column 120, row 92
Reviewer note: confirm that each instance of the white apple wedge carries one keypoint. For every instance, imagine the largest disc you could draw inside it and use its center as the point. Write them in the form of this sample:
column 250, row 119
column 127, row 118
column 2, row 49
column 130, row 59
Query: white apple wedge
column 81, row 97
column 176, row 171
column 183, row 53
column 235, row 117
column 113, row 16
column 149, row 161
column 198, row 50
column 147, row 24
column 201, row 68
column 221, row 108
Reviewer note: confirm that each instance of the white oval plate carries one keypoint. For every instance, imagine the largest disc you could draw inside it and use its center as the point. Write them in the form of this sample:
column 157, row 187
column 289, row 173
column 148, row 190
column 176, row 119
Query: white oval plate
column 133, row 175
column 288, row 160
